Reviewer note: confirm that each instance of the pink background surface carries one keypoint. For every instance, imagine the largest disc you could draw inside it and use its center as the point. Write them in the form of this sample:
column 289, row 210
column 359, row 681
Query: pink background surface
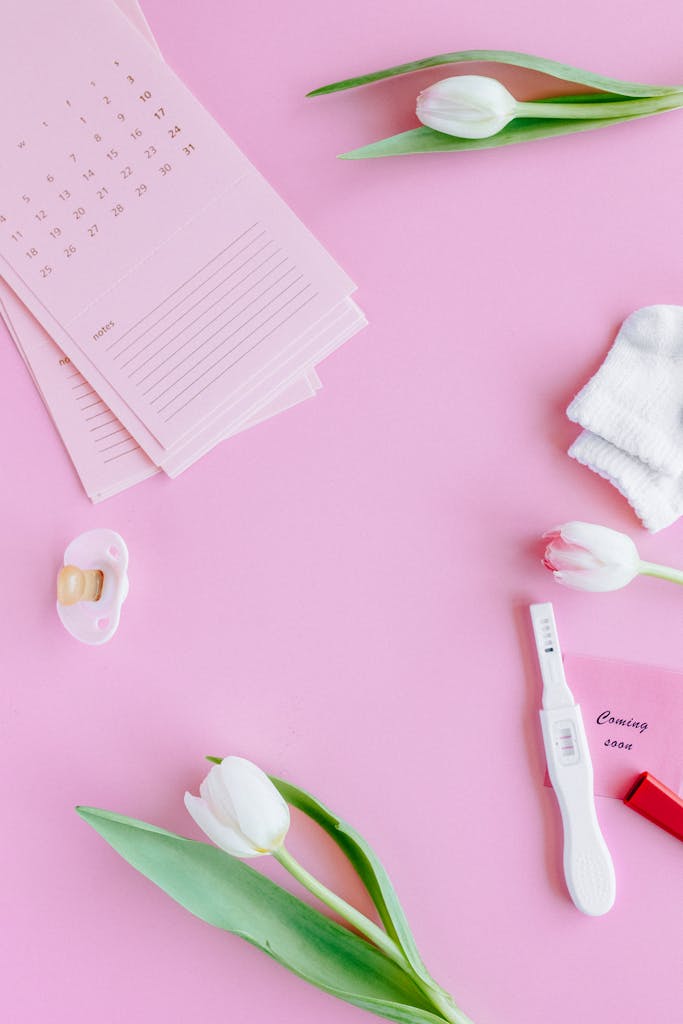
column 340, row 594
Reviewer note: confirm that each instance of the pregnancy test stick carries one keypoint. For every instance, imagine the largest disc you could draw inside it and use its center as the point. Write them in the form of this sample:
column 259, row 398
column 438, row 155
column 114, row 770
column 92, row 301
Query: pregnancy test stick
column 588, row 867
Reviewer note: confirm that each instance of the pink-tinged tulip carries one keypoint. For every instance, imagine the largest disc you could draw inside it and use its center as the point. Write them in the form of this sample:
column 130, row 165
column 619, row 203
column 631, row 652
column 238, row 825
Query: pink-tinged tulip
column 589, row 557
column 240, row 809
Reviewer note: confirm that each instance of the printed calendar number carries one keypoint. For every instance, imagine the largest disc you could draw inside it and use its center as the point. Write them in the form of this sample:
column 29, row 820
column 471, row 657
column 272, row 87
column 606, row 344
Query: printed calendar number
column 84, row 133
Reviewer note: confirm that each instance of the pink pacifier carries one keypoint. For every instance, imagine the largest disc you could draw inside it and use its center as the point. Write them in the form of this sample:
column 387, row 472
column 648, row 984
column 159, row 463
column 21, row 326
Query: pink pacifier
column 92, row 585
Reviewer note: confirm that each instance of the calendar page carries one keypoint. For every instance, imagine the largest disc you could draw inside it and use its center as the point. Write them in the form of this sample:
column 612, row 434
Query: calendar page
column 105, row 456
column 332, row 331
column 171, row 275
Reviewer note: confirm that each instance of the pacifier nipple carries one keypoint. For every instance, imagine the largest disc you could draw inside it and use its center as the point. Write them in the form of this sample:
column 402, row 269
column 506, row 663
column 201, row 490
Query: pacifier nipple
column 74, row 585
column 89, row 599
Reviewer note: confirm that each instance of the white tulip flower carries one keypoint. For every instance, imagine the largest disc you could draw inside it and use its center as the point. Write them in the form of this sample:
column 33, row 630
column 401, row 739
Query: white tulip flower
column 469, row 106
column 589, row 557
column 240, row 810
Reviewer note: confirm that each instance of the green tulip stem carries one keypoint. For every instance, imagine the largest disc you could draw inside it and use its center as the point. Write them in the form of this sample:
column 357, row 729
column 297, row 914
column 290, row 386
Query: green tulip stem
column 602, row 109
column 376, row 935
column 662, row 572
column 358, row 920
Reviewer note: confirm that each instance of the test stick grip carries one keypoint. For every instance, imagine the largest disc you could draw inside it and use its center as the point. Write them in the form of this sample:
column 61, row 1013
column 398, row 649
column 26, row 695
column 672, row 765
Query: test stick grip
column 588, row 867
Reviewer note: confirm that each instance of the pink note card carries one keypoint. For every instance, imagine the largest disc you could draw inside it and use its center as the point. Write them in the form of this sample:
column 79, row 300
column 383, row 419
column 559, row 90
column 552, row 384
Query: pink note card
column 633, row 716
column 143, row 241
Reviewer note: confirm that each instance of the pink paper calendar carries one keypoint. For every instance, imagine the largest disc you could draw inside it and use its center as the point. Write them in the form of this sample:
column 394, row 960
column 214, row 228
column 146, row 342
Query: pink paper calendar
column 184, row 298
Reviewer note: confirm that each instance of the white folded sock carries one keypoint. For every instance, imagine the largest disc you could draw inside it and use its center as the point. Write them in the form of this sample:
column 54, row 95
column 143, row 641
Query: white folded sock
column 632, row 412
column 635, row 400
column 656, row 498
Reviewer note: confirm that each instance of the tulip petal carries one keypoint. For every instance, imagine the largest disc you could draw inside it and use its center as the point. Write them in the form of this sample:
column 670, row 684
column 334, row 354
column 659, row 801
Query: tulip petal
column 217, row 795
column 261, row 813
column 616, row 552
column 607, row 580
column 224, row 836
column 574, row 580
column 570, row 556
column 608, row 545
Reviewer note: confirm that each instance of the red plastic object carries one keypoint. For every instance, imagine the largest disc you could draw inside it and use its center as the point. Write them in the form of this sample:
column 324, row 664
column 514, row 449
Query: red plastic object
column 657, row 802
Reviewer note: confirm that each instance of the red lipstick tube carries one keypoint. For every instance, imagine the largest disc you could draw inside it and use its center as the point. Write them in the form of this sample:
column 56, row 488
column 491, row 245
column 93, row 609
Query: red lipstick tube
column 655, row 801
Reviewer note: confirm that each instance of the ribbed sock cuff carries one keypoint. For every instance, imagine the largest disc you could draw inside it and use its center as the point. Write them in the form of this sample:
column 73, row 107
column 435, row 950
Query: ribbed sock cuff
column 657, row 498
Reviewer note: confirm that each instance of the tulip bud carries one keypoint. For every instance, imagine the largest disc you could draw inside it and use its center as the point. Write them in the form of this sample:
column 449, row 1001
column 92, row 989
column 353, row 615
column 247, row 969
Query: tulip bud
column 469, row 106
column 239, row 809
column 589, row 557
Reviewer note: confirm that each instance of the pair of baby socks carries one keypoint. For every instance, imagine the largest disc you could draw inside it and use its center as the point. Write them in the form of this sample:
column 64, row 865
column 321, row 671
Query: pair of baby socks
column 632, row 415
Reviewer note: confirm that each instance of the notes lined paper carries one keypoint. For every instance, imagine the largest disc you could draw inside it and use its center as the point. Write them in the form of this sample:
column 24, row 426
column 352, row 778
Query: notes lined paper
column 162, row 295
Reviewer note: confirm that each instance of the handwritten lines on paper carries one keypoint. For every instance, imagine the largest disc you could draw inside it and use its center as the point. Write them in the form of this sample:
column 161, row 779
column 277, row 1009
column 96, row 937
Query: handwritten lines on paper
column 205, row 327
column 109, row 437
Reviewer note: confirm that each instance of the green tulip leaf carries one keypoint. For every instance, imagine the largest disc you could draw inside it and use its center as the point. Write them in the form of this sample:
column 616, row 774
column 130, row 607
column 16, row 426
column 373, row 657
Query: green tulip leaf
column 368, row 866
column 426, row 140
column 520, row 60
column 230, row 895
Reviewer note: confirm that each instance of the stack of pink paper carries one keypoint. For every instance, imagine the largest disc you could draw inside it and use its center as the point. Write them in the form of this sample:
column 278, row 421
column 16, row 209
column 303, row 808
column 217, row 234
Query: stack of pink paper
column 161, row 294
